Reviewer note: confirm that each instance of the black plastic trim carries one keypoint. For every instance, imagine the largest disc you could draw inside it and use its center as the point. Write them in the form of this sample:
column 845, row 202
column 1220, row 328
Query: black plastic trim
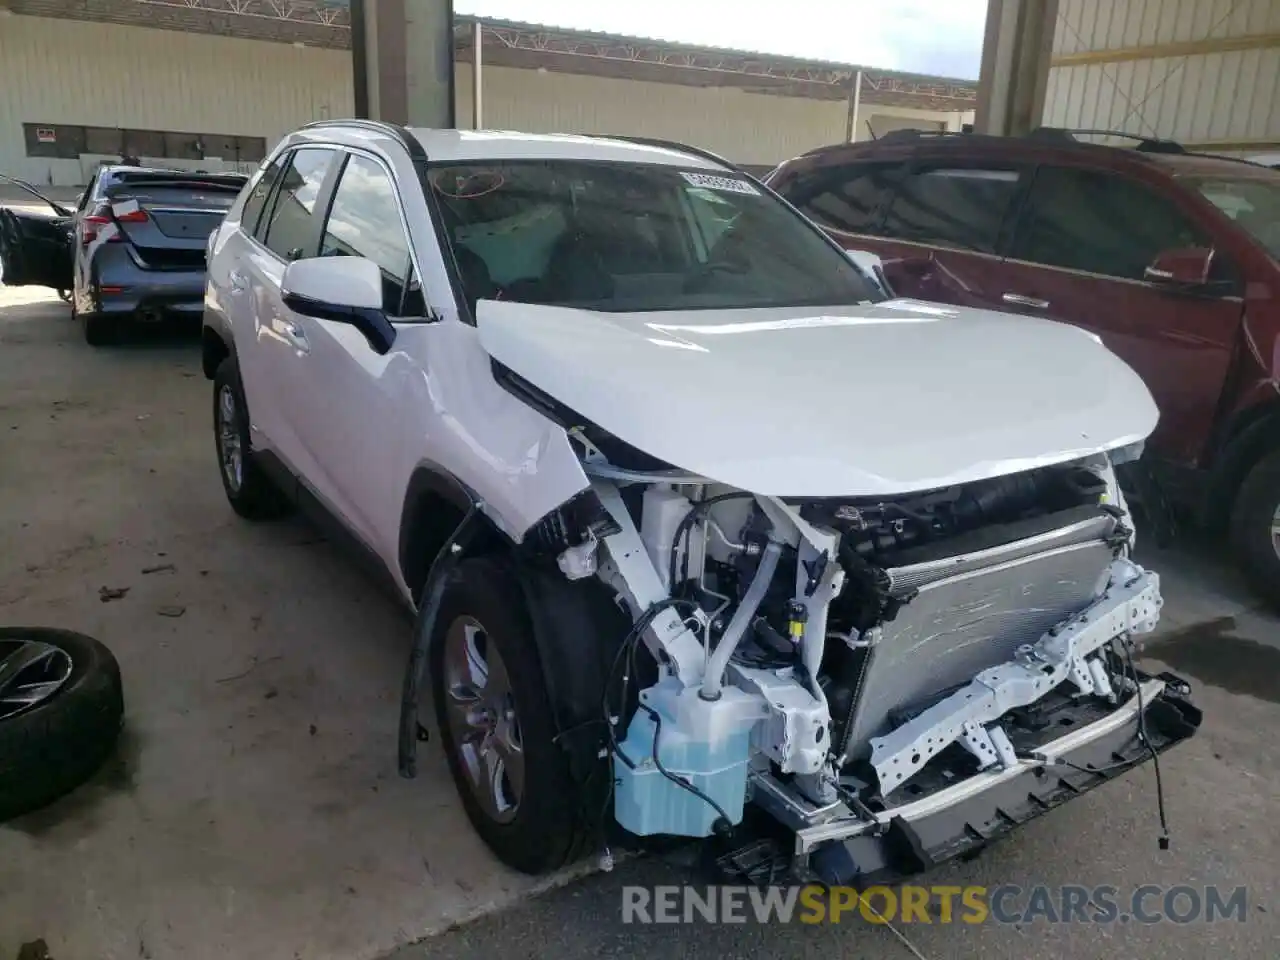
column 430, row 486
column 910, row 847
column 375, row 326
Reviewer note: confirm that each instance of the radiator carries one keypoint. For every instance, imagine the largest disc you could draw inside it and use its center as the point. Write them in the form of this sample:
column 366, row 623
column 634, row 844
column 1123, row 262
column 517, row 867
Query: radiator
column 973, row 612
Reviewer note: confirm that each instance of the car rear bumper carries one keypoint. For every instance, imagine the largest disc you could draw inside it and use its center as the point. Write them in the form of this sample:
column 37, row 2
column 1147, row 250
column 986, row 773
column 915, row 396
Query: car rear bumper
column 122, row 286
column 961, row 819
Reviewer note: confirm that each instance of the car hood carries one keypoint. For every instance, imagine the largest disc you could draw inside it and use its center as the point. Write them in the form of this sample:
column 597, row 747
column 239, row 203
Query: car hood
column 864, row 400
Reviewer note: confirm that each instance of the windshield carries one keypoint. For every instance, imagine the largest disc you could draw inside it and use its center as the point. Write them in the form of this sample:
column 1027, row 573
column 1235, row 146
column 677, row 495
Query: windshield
column 634, row 237
column 1252, row 201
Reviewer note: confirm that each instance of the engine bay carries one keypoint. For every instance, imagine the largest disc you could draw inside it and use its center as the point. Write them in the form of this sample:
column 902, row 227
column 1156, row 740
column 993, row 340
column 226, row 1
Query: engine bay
column 826, row 658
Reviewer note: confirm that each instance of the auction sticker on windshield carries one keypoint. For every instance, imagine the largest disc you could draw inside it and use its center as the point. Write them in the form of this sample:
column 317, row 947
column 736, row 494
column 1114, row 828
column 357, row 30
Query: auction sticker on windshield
column 710, row 182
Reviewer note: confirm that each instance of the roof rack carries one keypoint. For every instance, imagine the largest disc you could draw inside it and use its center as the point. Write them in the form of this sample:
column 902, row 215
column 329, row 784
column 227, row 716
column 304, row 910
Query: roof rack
column 393, row 130
column 895, row 135
column 1145, row 144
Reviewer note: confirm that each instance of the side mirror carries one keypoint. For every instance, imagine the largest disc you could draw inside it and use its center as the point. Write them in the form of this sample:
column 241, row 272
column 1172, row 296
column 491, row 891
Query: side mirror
column 1185, row 267
column 342, row 290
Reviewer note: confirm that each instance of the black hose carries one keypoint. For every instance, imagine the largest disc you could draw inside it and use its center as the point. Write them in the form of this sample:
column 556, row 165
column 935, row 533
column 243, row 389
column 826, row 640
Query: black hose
column 428, row 610
column 1155, row 757
column 686, row 524
column 625, row 652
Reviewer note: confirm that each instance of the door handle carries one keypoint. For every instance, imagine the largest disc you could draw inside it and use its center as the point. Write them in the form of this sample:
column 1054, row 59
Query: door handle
column 294, row 333
column 1018, row 300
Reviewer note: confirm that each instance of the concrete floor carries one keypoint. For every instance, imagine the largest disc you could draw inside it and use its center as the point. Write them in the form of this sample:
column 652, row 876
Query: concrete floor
column 255, row 809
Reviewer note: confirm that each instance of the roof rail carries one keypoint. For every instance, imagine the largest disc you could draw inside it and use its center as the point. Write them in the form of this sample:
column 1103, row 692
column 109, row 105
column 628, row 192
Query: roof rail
column 676, row 145
column 913, row 134
column 397, row 132
column 1145, row 144
column 360, row 123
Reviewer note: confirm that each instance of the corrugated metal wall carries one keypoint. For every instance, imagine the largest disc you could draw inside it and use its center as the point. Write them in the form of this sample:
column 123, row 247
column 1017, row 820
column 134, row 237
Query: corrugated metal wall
column 66, row 71
column 1228, row 100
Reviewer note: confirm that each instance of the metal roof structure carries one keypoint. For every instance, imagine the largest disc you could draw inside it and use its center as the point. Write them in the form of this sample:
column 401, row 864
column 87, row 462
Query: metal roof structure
column 327, row 23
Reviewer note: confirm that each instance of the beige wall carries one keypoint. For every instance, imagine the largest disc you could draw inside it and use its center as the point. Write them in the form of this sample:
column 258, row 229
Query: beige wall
column 66, row 71
column 744, row 127
column 72, row 72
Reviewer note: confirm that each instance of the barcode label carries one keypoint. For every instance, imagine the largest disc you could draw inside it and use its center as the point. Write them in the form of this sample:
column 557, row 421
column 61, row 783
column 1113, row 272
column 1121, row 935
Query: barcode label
column 728, row 184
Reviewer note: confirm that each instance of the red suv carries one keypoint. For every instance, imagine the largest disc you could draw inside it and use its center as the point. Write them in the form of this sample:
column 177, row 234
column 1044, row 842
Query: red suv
column 1170, row 257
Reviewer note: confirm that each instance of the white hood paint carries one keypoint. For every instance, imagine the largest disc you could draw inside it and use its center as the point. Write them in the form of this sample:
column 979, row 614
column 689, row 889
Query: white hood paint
column 866, row 400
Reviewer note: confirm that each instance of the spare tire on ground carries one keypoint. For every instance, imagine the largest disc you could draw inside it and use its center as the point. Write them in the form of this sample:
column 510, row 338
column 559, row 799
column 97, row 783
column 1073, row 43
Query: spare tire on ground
column 61, row 711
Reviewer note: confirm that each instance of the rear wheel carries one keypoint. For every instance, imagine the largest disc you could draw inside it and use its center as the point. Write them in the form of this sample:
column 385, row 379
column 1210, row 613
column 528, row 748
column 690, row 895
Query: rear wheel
column 1255, row 528
column 496, row 723
column 99, row 329
column 249, row 490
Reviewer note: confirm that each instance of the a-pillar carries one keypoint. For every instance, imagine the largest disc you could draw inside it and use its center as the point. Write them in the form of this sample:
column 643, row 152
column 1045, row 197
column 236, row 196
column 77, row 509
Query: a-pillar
column 1016, row 51
column 402, row 58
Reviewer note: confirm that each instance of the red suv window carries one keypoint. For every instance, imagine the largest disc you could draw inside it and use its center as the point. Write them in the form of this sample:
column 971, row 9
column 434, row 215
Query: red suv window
column 1100, row 223
column 849, row 198
column 952, row 206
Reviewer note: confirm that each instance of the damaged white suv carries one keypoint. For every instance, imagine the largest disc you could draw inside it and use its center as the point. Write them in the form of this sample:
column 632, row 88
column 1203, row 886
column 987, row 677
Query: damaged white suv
column 707, row 535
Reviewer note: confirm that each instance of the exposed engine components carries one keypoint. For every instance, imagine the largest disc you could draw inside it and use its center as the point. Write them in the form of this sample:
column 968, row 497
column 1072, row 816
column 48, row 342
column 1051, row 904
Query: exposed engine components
column 809, row 633
column 878, row 529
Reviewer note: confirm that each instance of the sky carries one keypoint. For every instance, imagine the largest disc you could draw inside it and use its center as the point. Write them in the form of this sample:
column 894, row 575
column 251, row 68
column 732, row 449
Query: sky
column 938, row 37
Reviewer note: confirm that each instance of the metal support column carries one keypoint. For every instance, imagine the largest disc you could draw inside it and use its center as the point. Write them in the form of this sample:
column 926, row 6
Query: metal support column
column 477, row 79
column 1016, row 51
column 855, row 98
column 402, row 60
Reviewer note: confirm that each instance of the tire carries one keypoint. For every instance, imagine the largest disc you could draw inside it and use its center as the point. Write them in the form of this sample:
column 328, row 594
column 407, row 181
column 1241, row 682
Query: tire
column 547, row 829
column 99, row 330
column 250, row 491
column 49, row 749
column 1255, row 528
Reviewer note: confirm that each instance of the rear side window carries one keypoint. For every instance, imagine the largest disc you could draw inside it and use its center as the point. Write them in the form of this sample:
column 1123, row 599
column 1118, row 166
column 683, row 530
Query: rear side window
column 257, row 198
column 849, row 199
column 289, row 230
column 961, row 207
column 1100, row 223
column 364, row 221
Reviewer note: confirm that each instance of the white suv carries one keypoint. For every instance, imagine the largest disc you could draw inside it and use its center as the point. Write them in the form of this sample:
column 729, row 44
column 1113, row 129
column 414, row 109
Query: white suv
column 695, row 516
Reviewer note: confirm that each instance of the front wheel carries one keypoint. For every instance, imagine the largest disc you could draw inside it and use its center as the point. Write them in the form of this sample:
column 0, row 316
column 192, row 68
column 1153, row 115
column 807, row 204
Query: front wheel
column 1255, row 528
column 496, row 723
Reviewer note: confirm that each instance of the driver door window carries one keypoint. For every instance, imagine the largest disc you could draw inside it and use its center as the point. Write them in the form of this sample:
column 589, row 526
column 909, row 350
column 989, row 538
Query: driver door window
column 364, row 221
column 1096, row 222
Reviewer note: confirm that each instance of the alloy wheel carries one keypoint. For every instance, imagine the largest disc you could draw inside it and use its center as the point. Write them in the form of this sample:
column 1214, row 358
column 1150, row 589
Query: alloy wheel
column 31, row 672
column 230, row 452
column 481, row 714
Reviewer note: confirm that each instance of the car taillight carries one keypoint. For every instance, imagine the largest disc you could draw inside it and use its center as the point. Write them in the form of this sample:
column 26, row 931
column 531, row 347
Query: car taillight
column 103, row 217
